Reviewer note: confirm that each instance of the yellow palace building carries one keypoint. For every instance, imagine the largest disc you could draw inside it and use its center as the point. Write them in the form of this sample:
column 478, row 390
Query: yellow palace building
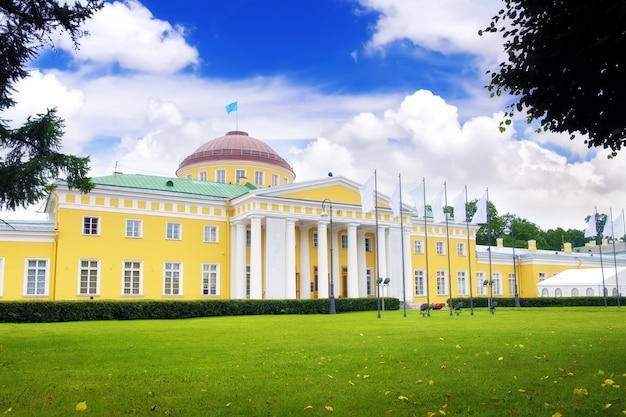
column 233, row 224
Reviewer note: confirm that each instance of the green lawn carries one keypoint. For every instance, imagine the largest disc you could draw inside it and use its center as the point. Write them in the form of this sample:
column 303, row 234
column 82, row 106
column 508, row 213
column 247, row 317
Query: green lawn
column 519, row 362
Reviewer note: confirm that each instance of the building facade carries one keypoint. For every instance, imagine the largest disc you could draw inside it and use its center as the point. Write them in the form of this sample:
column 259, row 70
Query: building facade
column 233, row 224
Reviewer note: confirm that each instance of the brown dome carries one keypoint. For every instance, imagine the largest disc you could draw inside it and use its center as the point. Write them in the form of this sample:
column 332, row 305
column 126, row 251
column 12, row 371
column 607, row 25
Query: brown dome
column 235, row 145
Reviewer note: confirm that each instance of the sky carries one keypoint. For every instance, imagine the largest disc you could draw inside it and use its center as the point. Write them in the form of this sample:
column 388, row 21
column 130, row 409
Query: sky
column 342, row 86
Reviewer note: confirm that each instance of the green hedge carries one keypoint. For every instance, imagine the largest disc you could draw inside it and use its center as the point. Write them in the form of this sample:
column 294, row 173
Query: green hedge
column 541, row 301
column 60, row 311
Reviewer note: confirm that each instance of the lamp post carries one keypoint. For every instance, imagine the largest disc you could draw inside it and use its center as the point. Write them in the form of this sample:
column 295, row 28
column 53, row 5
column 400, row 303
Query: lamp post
column 509, row 229
column 385, row 284
column 331, row 307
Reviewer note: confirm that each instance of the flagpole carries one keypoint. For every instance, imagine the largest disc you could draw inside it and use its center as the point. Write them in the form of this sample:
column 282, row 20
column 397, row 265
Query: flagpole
column 614, row 258
column 402, row 245
column 469, row 256
column 426, row 249
column 490, row 282
column 378, row 278
column 445, row 212
column 601, row 262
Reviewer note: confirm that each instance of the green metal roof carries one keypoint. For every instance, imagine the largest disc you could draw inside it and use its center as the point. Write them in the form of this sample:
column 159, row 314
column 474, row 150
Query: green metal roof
column 174, row 185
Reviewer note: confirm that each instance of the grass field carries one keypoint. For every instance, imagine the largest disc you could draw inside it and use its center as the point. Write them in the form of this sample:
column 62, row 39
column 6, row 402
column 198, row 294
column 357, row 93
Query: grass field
column 519, row 362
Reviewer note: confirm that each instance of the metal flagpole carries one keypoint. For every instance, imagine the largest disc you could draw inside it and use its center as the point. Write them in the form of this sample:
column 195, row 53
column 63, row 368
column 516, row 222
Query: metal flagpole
column 378, row 278
column 615, row 258
column 469, row 256
column 490, row 282
column 426, row 249
column 445, row 212
column 402, row 245
column 601, row 262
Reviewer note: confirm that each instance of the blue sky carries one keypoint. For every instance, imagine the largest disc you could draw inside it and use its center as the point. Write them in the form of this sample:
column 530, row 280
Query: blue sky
column 348, row 86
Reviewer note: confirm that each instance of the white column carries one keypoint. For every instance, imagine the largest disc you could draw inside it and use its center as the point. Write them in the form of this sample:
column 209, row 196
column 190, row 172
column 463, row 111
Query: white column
column 290, row 259
column 362, row 259
column 353, row 262
column 408, row 265
column 256, row 266
column 322, row 260
column 240, row 262
column 305, row 264
column 381, row 247
column 335, row 262
column 233, row 260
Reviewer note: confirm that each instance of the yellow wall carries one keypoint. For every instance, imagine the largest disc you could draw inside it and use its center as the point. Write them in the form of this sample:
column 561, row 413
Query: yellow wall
column 232, row 167
column 14, row 255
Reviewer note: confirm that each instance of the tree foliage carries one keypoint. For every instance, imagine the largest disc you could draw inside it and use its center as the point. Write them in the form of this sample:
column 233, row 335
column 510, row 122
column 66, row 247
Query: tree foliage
column 565, row 66
column 29, row 155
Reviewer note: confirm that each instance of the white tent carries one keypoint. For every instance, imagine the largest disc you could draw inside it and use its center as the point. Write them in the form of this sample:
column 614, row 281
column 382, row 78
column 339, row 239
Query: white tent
column 583, row 282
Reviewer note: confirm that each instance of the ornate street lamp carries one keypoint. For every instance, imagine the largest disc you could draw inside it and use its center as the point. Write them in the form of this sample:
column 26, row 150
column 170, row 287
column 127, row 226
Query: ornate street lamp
column 509, row 230
column 331, row 307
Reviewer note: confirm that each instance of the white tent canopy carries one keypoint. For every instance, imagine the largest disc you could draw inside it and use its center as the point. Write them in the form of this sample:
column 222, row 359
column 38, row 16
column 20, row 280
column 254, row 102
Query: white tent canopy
column 584, row 282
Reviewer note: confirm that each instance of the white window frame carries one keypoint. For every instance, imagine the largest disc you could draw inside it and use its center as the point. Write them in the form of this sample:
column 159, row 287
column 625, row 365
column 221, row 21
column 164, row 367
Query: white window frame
column 189, row 177
column 496, row 283
column 368, row 244
column 93, row 266
column 173, row 231
column 344, row 241
column 211, row 233
column 460, row 249
column 315, row 239
column 172, row 279
column 461, row 278
column 442, row 282
column 440, row 248
column 275, row 179
column 419, row 282
column 132, row 267
column 134, row 228
column 220, row 175
column 259, row 177
column 418, row 246
column 543, row 276
column 239, row 174
column 480, row 279
column 38, row 268
column 369, row 280
column 203, row 176
column 89, row 223
column 210, row 279
column 512, row 283
column 248, row 275
column 248, row 237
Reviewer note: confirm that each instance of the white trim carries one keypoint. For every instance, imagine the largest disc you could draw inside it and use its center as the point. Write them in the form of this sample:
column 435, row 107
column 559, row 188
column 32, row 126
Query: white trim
column 98, row 272
column 46, row 277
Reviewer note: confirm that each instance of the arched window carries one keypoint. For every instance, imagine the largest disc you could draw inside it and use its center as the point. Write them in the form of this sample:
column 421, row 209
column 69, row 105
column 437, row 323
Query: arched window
column 589, row 292
column 614, row 292
column 574, row 292
column 545, row 293
column 557, row 293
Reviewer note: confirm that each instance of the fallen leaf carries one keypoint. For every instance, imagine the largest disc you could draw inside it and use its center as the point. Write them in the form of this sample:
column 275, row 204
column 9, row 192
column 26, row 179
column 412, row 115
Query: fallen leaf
column 350, row 382
column 441, row 412
column 329, row 408
column 581, row 391
column 500, row 358
column 431, row 382
column 430, row 414
column 557, row 414
column 308, row 407
column 81, row 406
column 403, row 398
column 608, row 382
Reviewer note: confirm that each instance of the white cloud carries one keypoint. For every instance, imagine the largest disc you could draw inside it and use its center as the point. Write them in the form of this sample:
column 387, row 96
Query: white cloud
column 129, row 35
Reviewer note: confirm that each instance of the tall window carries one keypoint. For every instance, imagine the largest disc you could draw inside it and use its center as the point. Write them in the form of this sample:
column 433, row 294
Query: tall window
column 210, row 278
column 344, row 241
column 259, row 177
column 88, row 279
column 315, row 239
column 202, row 176
column 420, row 287
column 368, row 244
column 497, row 283
column 172, row 278
column 274, row 180
column 131, row 284
column 239, row 174
column 441, row 249
column 418, row 247
column 248, row 237
column 210, row 234
column 461, row 278
column 543, row 276
column 460, row 249
column 133, row 228
column 248, row 281
column 369, row 279
column 480, row 283
column 574, row 292
column 220, row 175
column 172, row 231
column 441, row 283
column 36, row 280
column 91, row 225
column 511, row 283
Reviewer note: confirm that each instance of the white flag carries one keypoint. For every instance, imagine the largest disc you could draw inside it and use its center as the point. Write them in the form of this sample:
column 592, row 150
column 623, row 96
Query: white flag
column 460, row 214
column 618, row 227
column 395, row 201
column 591, row 227
column 480, row 217
column 367, row 195
column 437, row 208
column 417, row 195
